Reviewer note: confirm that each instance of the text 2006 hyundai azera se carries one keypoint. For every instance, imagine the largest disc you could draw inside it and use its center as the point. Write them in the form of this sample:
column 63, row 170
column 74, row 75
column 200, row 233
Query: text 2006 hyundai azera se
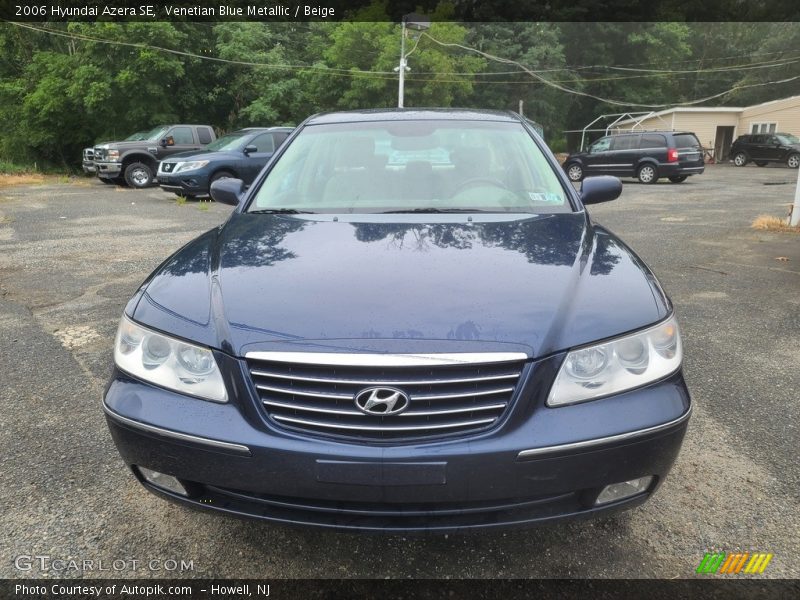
column 408, row 322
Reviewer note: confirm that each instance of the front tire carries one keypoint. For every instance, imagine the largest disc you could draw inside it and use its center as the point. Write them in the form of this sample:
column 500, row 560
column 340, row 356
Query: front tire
column 220, row 175
column 740, row 159
column 647, row 174
column 793, row 161
column 217, row 176
column 138, row 175
column 575, row 172
column 678, row 178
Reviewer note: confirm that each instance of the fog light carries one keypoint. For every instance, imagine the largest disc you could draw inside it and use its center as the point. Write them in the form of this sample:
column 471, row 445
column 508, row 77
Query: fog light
column 160, row 480
column 626, row 489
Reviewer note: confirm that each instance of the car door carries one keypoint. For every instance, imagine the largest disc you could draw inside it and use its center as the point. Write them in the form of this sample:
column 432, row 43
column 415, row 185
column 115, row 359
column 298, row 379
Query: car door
column 179, row 139
column 597, row 156
column 623, row 156
column 772, row 148
column 758, row 149
column 255, row 161
column 653, row 146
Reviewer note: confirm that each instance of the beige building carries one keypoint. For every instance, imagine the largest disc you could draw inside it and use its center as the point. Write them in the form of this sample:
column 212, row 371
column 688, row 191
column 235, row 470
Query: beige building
column 717, row 127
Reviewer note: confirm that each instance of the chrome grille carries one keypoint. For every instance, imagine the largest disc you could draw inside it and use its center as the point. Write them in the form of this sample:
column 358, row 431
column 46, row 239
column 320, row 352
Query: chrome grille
column 99, row 153
column 449, row 394
column 88, row 154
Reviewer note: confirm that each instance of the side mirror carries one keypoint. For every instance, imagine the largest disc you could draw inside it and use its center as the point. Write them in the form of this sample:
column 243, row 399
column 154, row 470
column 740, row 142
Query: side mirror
column 600, row 189
column 250, row 148
column 228, row 191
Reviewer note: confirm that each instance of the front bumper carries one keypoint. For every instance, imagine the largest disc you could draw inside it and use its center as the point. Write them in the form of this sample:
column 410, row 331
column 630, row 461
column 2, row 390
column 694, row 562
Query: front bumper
column 89, row 167
column 540, row 465
column 190, row 183
column 108, row 169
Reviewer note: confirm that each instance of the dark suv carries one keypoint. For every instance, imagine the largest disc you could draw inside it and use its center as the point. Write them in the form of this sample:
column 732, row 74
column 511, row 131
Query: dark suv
column 646, row 155
column 763, row 148
column 241, row 154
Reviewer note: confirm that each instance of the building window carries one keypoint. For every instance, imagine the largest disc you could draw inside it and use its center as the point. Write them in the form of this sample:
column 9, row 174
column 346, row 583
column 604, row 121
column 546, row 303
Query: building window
column 763, row 127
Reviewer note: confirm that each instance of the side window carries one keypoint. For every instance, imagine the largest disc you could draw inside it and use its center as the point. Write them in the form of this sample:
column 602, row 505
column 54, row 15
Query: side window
column 652, row 140
column 263, row 142
column 182, row 135
column 279, row 137
column 757, row 139
column 204, row 133
column 686, row 140
column 600, row 145
column 625, row 142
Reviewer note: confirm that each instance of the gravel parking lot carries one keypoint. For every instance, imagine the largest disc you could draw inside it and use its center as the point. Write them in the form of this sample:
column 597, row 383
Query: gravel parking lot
column 71, row 254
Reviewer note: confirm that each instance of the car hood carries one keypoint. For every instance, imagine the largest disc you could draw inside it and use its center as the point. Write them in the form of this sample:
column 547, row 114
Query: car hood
column 535, row 284
column 132, row 144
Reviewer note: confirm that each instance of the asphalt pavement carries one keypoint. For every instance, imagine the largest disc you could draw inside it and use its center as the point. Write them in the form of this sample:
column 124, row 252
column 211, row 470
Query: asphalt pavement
column 71, row 254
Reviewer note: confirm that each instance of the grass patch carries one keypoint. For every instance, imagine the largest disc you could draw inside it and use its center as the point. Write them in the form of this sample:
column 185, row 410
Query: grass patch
column 20, row 179
column 26, row 174
column 204, row 205
column 770, row 223
column 180, row 200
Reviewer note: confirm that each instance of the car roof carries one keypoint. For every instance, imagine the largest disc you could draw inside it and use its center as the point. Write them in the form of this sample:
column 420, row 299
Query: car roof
column 413, row 114
column 280, row 128
column 661, row 131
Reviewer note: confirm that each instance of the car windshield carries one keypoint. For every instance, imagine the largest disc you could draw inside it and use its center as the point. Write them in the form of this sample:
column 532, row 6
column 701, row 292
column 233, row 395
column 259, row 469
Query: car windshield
column 788, row 138
column 136, row 137
column 230, row 141
column 412, row 166
column 155, row 134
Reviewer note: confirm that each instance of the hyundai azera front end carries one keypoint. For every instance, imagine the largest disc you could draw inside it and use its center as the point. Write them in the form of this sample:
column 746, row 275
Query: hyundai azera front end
column 407, row 323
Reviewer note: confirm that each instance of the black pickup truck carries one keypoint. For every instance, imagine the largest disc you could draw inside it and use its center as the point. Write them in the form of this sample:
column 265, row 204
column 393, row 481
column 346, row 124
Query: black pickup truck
column 88, row 153
column 136, row 162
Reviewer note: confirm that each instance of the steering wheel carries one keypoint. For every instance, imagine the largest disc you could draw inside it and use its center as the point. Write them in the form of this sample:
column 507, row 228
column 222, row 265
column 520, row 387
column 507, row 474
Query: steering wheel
column 477, row 181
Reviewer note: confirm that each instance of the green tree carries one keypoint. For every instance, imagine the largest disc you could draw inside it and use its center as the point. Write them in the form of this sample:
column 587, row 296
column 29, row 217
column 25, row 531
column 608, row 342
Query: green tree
column 373, row 45
column 538, row 47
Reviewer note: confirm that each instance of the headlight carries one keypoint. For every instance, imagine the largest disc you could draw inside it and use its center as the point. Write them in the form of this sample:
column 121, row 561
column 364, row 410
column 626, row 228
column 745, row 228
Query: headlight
column 618, row 365
column 168, row 362
column 112, row 155
column 190, row 166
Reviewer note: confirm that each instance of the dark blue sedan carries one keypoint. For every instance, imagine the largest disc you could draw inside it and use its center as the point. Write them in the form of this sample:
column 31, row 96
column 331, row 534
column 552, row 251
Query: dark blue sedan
column 408, row 323
column 240, row 154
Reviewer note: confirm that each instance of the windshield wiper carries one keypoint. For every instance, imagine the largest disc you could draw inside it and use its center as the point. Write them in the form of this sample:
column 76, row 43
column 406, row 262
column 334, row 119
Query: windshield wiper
column 433, row 210
column 281, row 211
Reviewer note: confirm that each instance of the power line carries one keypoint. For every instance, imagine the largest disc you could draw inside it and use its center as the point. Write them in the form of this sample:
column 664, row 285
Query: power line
column 355, row 72
column 388, row 75
column 594, row 97
column 326, row 70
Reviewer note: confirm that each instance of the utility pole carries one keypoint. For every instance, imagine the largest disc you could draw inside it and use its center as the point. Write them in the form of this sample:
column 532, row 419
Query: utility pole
column 402, row 67
column 794, row 220
column 412, row 21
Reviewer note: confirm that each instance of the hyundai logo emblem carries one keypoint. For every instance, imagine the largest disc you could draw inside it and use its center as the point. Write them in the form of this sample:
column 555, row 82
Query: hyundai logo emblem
column 382, row 401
